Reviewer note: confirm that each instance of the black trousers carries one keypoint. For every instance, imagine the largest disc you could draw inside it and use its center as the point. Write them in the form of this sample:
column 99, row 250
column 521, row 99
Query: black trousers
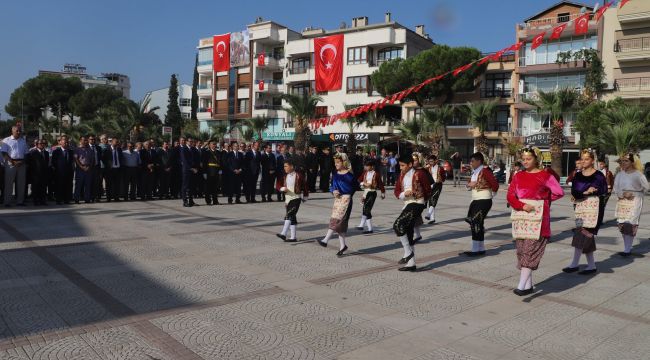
column 407, row 220
column 175, row 182
column 478, row 210
column 325, row 180
column 130, row 183
column 39, row 188
column 250, row 186
column 211, row 190
column 98, row 183
column 63, row 191
column 235, row 186
column 113, row 178
column 164, row 182
column 267, row 186
column 147, row 181
column 368, row 203
column 292, row 210
column 311, row 180
column 187, row 186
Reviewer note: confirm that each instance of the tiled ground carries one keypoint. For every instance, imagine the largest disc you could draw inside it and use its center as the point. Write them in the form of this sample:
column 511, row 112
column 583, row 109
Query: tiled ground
column 154, row 280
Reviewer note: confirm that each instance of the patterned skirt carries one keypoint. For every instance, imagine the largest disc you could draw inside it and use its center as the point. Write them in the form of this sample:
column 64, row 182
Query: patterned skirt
column 530, row 252
column 584, row 239
column 628, row 229
column 341, row 214
column 435, row 194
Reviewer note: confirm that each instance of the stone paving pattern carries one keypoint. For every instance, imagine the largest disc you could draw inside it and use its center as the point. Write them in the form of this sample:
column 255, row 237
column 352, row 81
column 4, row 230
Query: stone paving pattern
column 154, row 280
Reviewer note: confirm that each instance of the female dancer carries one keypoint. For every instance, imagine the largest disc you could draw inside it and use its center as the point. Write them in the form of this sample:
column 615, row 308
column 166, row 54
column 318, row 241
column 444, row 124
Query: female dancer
column 438, row 176
column 294, row 187
column 483, row 186
column 413, row 188
column 343, row 187
column 370, row 181
column 630, row 186
column 590, row 185
column 533, row 183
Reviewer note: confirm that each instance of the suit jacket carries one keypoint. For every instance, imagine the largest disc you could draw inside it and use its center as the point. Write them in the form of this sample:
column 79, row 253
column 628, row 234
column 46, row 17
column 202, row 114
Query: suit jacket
column 252, row 161
column 38, row 162
column 98, row 149
column 164, row 158
column 186, row 158
column 279, row 165
column 326, row 163
column 311, row 162
column 61, row 165
column 268, row 163
column 148, row 157
column 234, row 161
column 107, row 157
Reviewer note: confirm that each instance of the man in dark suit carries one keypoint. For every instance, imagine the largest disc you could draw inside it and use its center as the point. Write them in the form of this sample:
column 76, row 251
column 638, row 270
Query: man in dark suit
column 326, row 163
column 38, row 160
column 97, row 188
column 164, row 167
column 176, row 171
column 188, row 170
column 113, row 162
column 63, row 170
column 268, row 173
column 198, row 176
column 311, row 164
column 148, row 170
column 211, row 173
column 234, row 167
column 252, row 172
column 279, row 168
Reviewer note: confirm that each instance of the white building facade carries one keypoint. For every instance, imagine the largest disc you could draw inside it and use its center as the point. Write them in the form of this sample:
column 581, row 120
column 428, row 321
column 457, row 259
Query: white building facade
column 160, row 98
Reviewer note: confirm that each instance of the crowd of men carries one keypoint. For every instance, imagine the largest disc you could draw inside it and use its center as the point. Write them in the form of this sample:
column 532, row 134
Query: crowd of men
column 92, row 169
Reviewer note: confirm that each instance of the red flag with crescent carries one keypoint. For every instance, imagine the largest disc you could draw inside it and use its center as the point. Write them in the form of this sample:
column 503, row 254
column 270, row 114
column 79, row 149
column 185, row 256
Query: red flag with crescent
column 462, row 68
column 582, row 24
column 557, row 31
column 538, row 40
column 328, row 62
column 261, row 85
column 602, row 10
column 261, row 59
column 221, row 52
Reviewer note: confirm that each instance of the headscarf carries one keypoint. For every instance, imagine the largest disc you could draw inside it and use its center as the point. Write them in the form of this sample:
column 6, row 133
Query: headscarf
column 344, row 159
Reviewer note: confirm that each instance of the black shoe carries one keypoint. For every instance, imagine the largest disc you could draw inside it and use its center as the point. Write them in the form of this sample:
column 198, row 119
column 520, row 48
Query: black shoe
column 359, row 227
column 270, row 200
column 417, row 239
column 263, row 200
column 406, row 259
column 523, row 292
column 368, row 232
column 237, row 201
column 473, row 253
column 208, row 202
column 291, row 240
column 408, row 268
column 21, row 204
column 624, row 254
column 252, row 201
column 340, row 253
column 186, row 205
column 323, row 244
column 432, row 222
column 427, row 218
column 569, row 270
column 468, row 220
column 588, row 272
column 283, row 237
column 76, row 201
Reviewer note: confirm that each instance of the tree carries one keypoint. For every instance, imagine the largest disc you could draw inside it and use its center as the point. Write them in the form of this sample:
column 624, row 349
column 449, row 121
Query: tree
column 218, row 130
column 411, row 130
column 555, row 104
column 622, row 137
column 594, row 79
column 173, row 117
column 257, row 124
column 481, row 114
column 437, row 119
column 301, row 108
column 86, row 103
column 195, row 85
column 591, row 118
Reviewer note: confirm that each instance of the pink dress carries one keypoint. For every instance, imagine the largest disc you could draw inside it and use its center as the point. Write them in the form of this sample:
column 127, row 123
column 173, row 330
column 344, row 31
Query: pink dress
column 534, row 186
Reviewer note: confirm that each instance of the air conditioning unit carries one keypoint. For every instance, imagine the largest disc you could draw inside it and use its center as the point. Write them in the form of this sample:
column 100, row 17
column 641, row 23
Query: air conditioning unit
column 610, row 85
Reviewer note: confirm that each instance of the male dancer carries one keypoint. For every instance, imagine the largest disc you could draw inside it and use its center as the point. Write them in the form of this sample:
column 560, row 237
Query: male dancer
column 438, row 175
column 483, row 186
column 295, row 190
column 370, row 181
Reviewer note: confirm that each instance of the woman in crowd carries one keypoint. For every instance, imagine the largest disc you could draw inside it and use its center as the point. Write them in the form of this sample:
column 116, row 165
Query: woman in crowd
column 630, row 186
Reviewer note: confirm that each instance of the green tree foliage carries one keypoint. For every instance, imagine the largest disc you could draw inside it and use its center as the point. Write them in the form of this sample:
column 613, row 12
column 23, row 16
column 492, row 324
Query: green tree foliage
column 173, row 117
column 481, row 114
column 301, row 108
column 436, row 121
column 258, row 124
column 85, row 104
column 195, row 85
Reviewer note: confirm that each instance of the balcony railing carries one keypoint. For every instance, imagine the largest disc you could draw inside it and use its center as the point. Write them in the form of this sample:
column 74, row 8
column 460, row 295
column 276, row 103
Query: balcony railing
column 550, row 21
column 205, row 62
column 633, row 44
column 496, row 93
column 270, row 81
column 300, row 70
column 204, row 86
column 634, row 84
column 568, row 131
column 506, row 57
column 271, row 55
column 204, row 109
column 268, row 107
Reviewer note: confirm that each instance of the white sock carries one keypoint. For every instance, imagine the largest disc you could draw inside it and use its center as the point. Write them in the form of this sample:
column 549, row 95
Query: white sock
column 627, row 241
column 481, row 246
column 576, row 257
column 431, row 209
column 286, row 227
column 416, row 232
column 369, row 224
column 330, row 232
column 411, row 262
column 292, row 230
column 529, row 283
column 341, row 241
column 476, row 246
column 523, row 278
column 405, row 243
column 591, row 261
column 363, row 220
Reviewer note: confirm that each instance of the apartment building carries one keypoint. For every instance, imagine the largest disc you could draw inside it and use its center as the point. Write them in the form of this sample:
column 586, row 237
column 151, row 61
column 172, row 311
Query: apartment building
column 160, row 99
column 626, row 52
column 117, row 81
column 282, row 61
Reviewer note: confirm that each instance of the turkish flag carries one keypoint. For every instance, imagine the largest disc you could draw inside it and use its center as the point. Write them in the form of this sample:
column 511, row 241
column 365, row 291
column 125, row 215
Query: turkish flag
column 260, row 59
column 623, row 2
column 383, row 103
column 497, row 55
column 260, row 85
column 557, row 32
column 602, row 10
column 221, row 52
column 516, row 46
column 462, row 68
column 582, row 24
column 538, row 40
column 328, row 62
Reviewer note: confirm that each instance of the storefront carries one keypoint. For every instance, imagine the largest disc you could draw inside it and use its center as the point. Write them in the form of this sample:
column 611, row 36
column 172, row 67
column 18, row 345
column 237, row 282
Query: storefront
column 570, row 153
column 276, row 137
column 333, row 139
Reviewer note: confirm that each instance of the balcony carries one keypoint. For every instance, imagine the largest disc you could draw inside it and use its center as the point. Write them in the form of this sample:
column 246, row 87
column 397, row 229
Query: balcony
column 203, row 115
column 300, row 69
column 204, row 90
column 270, row 85
column 268, row 107
column 634, row 88
column 569, row 131
column 627, row 18
column 271, row 61
column 204, row 67
column 496, row 93
column 534, row 27
column 633, row 49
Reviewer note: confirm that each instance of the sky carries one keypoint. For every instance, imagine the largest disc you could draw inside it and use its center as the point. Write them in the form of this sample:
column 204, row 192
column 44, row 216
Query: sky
column 150, row 40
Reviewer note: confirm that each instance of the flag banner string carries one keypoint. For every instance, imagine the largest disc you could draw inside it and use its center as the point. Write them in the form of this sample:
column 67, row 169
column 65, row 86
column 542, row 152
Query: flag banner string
column 580, row 25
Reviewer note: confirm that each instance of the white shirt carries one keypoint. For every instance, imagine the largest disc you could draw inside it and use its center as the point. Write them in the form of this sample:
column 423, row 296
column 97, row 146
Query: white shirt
column 115, row 156
column 634, row 182
column 476, row 172
column 434, row 173
column 16, row 149
column 290, row 185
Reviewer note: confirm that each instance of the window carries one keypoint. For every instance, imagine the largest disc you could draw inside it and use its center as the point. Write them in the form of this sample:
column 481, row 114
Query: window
column 185, row 115
column 321, row 111
column 563, row 17
column 242, row 106
column 185, row 102
column 357, row 55
column 300, row 89
column 300, row 65
column 388, row 54
column 205, row 56
column 417, row 113
column 548, row 51
column 496, row 85
column 357, row 84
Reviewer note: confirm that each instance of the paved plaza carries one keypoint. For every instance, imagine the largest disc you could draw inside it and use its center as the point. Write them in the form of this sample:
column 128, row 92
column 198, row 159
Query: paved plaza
column 154, row 280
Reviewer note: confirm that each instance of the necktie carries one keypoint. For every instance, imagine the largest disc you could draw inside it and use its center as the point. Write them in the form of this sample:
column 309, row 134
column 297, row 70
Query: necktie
column 114, row 157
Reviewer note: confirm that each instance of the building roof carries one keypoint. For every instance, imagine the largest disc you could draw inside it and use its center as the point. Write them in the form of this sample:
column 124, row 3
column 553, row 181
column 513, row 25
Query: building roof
column 574, row 3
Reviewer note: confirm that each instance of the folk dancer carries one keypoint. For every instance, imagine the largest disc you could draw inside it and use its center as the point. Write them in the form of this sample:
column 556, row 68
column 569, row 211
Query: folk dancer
column 370, row 181
column 483, row 186
column 296, row 190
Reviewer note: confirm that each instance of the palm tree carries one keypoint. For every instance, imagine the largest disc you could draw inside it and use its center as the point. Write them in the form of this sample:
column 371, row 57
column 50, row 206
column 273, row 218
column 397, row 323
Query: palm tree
column 556, row 104
column 411, row 130
column 481, row 114
column 218, row 131
column 258, row 124
column 301, row 108
column 437, row 120
column 621, row 137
